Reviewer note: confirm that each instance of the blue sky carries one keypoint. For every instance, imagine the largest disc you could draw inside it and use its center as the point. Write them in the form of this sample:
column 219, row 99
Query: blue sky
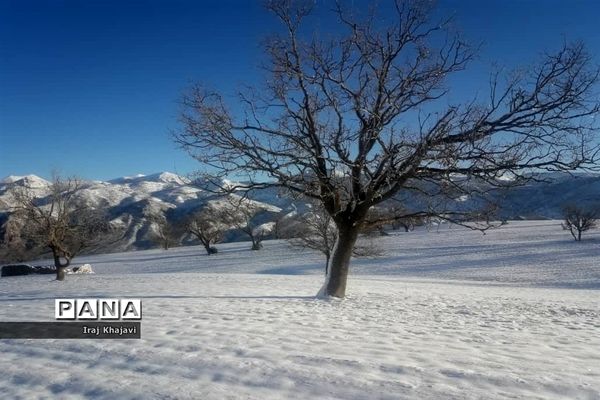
column 91, row 87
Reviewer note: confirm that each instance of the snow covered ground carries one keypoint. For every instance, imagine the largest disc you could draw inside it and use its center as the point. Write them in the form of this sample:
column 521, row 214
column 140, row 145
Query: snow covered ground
column 447, row 314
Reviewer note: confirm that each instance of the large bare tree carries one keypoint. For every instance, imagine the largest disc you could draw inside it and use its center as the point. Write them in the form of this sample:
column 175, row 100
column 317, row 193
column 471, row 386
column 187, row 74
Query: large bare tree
column 59, row 221
column 355, row 118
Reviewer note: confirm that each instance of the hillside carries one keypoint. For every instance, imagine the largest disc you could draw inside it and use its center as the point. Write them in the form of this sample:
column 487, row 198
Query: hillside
column 129, row 200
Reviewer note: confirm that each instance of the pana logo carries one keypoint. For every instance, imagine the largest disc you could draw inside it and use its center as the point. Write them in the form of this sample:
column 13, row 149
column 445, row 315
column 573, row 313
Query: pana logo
column 95, row 309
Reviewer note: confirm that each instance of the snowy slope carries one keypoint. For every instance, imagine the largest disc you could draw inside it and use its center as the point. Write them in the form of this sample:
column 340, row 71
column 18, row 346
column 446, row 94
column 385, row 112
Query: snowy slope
column 522, row 253
column 245, row 325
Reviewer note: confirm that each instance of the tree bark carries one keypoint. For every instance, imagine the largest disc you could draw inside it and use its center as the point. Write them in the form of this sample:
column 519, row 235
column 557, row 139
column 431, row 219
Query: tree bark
column 340, row 261
column 256, row 244
column 209, row 249
column 60, row 267
column 60, row 273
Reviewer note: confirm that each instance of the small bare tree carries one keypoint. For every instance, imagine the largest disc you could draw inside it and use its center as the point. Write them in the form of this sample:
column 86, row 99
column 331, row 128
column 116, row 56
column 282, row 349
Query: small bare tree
column 353, row 119
column 207, row 226
column 14, row 247
column 165, row 232
column 579, row 219
column 407, row 223
column 315, row 230
column 60, row 221
column 243, row 214
column 399, row 218
column 286, row 224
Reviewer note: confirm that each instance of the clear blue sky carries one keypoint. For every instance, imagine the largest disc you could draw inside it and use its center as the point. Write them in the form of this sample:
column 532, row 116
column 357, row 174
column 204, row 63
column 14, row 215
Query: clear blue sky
column 91, row 87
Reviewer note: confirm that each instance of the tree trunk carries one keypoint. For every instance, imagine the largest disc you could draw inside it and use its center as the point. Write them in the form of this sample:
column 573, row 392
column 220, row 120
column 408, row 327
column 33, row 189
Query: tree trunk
column 573, row 233
column 339, row 264
column 60, row 273
column 60, row 267
column 256, row 244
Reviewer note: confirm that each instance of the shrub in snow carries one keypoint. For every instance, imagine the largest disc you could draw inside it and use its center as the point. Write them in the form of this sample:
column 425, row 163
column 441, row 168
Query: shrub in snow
column 84, row 269
column 24, row 269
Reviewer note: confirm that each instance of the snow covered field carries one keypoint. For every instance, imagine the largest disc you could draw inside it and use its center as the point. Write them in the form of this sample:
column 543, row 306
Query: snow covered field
column 447, row 314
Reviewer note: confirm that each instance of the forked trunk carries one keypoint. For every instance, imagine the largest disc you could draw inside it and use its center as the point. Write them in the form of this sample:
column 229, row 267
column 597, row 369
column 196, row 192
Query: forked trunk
column 339, row 263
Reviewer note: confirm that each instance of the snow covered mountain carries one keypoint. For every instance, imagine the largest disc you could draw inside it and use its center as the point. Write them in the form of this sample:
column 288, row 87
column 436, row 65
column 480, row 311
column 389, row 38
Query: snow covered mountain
column 129, row 200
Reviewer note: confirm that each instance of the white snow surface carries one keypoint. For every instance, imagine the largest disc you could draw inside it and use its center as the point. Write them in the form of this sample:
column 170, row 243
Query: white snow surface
column 445, row 314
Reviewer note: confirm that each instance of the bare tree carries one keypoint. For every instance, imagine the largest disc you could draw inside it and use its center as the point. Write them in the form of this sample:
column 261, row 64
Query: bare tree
column 244, row 215
column 317, row 231
column 399, row 217
column 280, row 230
column 407, row 223
column 578, row 219
column 356, row 119
column 166, row 232
column 286, row 224
column 207, row 226
column 59, row 221
column 14, row 247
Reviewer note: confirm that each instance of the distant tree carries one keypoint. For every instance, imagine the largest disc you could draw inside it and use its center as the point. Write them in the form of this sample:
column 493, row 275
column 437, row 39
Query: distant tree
column 579, row 219
column 165, row 232
column 401, row 218
column 316, row 230
column 407, row 223
column 394, row 214
column 243, row 214
column 208, row 227
column 59, row 221
column 279, row 229
column 13, row 246
column 352, row 119
column 286, row 224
